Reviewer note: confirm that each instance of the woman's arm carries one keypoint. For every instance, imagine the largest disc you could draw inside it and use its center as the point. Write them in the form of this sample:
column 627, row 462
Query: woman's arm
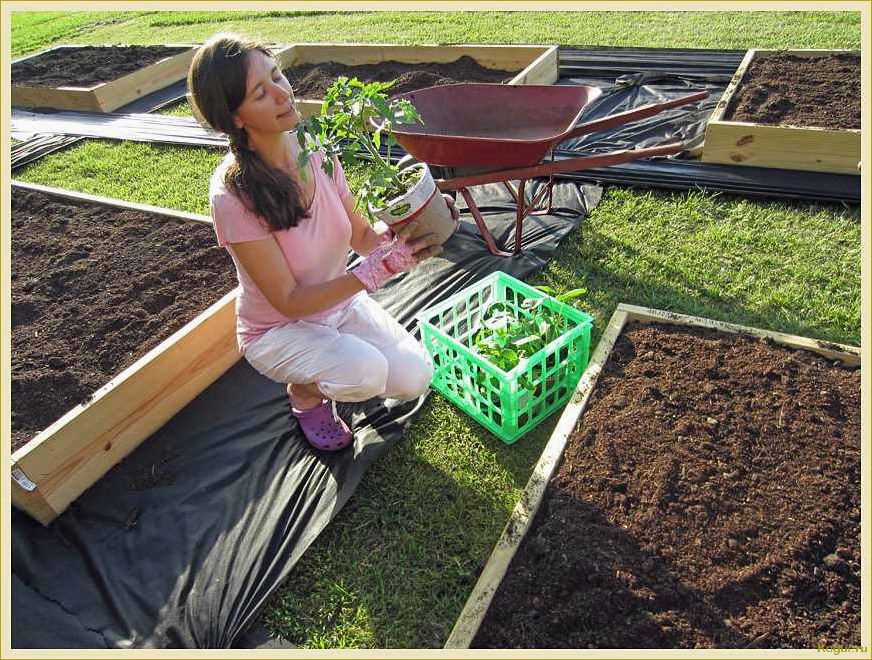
column 264, row 262
column 364, row 238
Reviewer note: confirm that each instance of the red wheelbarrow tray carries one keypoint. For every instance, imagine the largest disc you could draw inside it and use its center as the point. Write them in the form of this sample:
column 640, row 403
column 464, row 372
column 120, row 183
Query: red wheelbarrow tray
column 498, row 133
column 505, row 126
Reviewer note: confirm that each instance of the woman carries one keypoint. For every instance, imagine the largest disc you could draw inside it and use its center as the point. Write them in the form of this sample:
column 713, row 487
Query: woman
column 302, row 318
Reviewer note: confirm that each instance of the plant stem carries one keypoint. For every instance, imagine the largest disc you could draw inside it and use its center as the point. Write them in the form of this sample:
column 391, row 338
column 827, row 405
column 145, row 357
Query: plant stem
column 377, row 157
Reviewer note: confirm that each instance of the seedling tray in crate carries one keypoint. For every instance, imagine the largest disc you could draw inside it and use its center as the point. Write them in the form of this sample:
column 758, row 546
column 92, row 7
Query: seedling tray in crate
column 507, row 403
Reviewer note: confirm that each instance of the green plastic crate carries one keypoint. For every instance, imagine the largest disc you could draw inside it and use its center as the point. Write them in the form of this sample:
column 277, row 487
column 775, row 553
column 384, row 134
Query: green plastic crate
column 497, row 399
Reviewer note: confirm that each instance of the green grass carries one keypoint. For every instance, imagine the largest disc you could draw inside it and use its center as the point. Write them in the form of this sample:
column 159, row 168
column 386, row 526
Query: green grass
column 35, row 31
column 178, row 109
column 648, row 28
column 173, row 177
column 396, row 565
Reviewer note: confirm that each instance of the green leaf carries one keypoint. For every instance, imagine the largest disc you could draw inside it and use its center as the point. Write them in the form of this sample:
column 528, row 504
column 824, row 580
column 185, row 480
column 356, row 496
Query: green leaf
column 327, row 165
column 569, row 295
column 303, row 161
column 526, row 340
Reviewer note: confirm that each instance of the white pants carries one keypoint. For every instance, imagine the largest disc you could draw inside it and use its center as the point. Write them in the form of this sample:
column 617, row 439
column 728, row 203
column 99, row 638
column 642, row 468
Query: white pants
column 354, row 354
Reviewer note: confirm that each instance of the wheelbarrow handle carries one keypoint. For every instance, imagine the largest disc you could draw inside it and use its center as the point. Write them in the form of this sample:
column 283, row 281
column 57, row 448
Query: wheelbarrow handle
column 559, row 166
column 632, row 115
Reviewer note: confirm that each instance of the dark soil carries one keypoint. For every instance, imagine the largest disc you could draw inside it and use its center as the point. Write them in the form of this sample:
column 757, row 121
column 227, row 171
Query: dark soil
column 310, row 81
column 88, row 65
column 821, row 92
column 93, row 289
column 708, row 497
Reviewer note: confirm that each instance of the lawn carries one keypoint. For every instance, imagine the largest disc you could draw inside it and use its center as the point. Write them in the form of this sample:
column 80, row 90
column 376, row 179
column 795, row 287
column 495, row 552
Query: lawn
column 396, row 565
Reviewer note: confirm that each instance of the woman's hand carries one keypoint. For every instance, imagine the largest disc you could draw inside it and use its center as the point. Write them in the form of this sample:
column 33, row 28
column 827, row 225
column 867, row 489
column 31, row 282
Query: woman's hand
column 426, row 246
column 455, row 214
column 387, row 260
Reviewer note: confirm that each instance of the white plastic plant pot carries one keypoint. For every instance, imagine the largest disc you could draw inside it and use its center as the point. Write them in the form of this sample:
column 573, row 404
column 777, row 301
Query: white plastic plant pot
column 423, row 205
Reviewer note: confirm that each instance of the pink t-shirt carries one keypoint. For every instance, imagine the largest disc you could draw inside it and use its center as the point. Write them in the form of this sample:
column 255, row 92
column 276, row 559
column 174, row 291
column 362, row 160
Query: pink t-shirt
column 316, row 249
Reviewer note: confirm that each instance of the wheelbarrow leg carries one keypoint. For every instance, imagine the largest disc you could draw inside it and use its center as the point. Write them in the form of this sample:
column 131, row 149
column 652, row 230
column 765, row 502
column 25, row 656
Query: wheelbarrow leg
column 534, row 207
column 520, row 211
column 482, row 227
column 548, row 189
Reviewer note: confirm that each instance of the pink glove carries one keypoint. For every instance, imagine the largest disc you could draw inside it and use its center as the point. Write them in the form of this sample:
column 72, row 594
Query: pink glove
column 384, row 262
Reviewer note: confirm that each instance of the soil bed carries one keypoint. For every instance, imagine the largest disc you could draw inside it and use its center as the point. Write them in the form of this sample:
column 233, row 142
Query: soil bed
column 94, row 288
column 708, row 497
column 88, row 65
column 820, row 92
column 310, row 81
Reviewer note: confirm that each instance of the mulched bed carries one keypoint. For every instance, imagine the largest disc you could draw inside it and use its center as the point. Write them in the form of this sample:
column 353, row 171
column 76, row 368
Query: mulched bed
column 94, row 288
column 310, row 81
column 708, row 497
column 87, row 66
column 822, row 92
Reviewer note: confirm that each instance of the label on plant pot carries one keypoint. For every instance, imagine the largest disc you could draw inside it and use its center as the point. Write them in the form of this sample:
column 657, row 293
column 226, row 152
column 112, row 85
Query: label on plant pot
column 400, row 210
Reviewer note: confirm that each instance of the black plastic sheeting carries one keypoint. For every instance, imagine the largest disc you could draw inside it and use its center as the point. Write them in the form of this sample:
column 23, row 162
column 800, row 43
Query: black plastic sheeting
column 41, row 144
column 630, row 77
column 180, row 545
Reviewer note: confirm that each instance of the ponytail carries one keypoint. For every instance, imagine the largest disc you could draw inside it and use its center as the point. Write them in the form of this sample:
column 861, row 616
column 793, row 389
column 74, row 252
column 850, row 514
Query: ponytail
column 216, row 81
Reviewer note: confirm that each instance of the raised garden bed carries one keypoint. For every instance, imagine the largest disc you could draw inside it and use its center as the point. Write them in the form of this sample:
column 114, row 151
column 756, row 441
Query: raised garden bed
column 311, row 68
column 121, row 314
column 708, row 497
column 797, row 109
column 96, row 78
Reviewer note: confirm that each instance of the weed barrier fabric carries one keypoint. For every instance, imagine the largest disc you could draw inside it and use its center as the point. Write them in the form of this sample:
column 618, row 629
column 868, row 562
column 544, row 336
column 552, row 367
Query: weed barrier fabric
column 35, row 146
column 631, row 77
column 181, row 544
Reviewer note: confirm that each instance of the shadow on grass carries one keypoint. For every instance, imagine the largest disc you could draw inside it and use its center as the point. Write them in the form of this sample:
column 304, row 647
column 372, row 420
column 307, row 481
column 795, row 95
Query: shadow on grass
column 392, row 570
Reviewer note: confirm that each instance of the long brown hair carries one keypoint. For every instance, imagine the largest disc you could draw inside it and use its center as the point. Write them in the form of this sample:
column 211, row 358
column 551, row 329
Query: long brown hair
column 216, row 81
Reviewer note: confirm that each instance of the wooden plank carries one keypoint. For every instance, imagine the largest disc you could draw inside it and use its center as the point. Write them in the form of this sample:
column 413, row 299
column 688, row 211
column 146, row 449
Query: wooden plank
column 544, row 70
column 124, row 90
column 69, row 456
column 108, row 96
column 60, row 98
column 477, row 604
column 849, row 355
column 41, row 52
column 761, row 145
column 493, row 56
column 811, row 149
column 473, row 613
column 737, row 79
column 111, row 201
column 308, row 107
column 65, row 459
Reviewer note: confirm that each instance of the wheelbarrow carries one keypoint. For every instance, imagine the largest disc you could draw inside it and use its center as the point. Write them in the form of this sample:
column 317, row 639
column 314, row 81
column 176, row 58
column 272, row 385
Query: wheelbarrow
column 481, row 133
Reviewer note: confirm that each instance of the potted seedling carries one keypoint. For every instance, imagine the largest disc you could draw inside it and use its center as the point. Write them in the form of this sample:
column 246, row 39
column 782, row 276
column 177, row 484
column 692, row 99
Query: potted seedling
column 357, row 116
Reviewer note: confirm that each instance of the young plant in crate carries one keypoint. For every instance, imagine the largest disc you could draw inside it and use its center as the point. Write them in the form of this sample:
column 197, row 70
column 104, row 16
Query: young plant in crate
column 511, row 333
column 506, row 353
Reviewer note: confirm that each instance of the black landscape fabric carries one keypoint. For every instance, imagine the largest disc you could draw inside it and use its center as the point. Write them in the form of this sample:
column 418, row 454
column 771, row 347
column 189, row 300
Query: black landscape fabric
column 180, row 545
column 631, row 77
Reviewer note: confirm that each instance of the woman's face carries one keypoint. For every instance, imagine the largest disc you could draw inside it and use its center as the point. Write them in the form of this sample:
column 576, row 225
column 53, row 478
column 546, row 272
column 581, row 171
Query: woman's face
column 268, row 106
